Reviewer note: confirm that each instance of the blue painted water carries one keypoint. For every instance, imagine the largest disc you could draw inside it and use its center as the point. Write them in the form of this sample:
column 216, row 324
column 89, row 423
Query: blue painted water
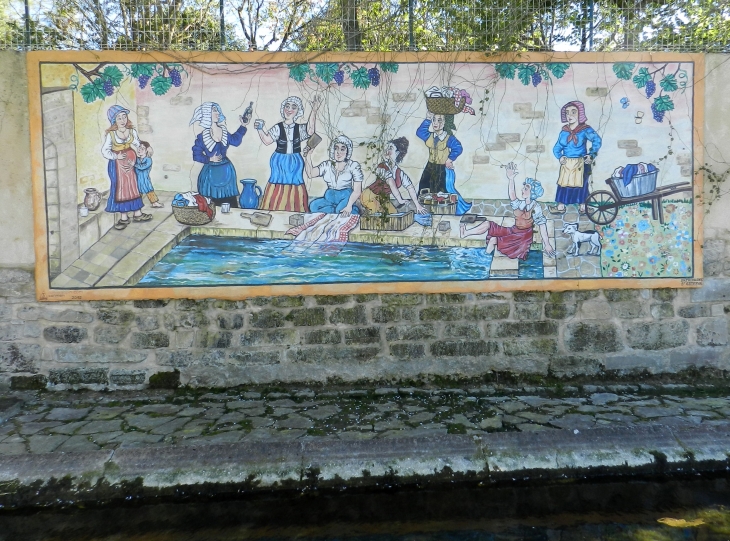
column 205, row 260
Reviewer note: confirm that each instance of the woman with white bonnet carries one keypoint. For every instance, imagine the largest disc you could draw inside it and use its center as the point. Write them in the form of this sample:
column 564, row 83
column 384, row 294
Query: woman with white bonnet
column 285, row 189
column 120, row 148
column 217, row 178
column 343, row 178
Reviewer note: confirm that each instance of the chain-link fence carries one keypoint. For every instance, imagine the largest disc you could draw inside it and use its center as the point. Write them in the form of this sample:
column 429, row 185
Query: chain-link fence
column 370, row 25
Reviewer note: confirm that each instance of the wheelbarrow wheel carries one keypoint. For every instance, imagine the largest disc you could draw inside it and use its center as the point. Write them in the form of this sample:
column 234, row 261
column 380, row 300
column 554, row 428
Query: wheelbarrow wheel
column 601, row 207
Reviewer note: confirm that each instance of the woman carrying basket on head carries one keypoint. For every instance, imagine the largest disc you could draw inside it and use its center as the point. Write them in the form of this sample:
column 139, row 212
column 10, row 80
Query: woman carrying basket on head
column 576, row 160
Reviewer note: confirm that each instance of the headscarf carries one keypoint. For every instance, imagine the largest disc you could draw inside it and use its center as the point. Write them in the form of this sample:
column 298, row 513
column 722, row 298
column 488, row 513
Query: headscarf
column 581, row 112
column 113, row 111
column 343, row 140
column 536, row 189
column 204, row 114
column 295, row 100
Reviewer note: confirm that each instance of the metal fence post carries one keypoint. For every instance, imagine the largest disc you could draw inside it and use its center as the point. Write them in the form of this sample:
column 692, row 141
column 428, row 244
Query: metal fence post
column 223, row 25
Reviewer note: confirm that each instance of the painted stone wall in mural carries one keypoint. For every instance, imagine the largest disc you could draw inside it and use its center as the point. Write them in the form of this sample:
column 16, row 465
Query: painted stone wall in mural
column 357, row 175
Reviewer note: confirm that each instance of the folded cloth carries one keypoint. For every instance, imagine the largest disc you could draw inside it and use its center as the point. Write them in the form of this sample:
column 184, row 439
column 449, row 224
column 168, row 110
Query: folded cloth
column 203, row 205
column 424, row 219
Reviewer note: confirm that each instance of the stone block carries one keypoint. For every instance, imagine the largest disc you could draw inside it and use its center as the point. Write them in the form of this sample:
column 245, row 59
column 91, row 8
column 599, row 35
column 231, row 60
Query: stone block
column 596, row 91
column 713, row 289
column 19, row 357
column 73, row 376
column 659, row 335
column 115, row 317
column 665, row 294
column 664, row 310
column 594, row 337
column 362, row 335
column 191, row 305
column 528, row 296
column 350, row 112
column 410, row 332
column 267, row 318
column 65, row 334
column 255, row 357
column 627, row 143
column 181, row 100
column 287, row 302
column 694, row 311
column 521, row 107
column 11, row 332
column 273, row 337
column 532, row 115
column 36, row 382
column 533, row 149
column 349, row 316
column 385, row 314
column 215, row 340
column 440, row 313
column 490, row 311
column 401, row 97
column 684, row 159
column 464, row 348
column 510, row 329
column 307, row 317
column 480, row 159
column 320, row 354
column 633, row 152
column 509, row 137
column 528, row 311
column 127, row 377
column 147, row 322
column 407, row 350
column 713, row 332
column 171, row 167
column 628, row 310
column 230, row 322
column 467, row 330
column 402, row 299
column 97, row 354
column 110, row 334
column 494, row 147
column 570, row 366
column 530, row 346
column 165, row 380
column 150, row 340
column 224, row 304
column 151, row 303
column 323, row 336
column 559, row 311
column 686, row 171
column 327, row 300
column 620, row 295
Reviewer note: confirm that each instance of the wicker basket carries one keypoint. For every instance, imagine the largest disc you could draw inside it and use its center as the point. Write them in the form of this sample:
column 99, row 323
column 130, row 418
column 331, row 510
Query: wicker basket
column 639, row 185
column 392, row 222
column 435, row 207
column 445, row 106
column 192, row 216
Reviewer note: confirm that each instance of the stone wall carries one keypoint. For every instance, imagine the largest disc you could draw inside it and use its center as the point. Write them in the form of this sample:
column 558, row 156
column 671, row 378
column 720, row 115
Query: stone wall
column 586, row 334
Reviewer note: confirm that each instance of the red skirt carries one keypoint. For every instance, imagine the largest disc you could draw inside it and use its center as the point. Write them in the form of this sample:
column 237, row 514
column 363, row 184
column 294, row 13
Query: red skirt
column 511, row 241
column 289, row 197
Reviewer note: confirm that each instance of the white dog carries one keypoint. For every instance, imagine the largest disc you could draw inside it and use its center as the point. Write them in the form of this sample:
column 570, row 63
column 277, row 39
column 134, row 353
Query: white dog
column 578, row 237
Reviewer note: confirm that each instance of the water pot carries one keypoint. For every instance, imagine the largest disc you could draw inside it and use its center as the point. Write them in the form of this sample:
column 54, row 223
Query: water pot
column 92, row 199
column 250, row 194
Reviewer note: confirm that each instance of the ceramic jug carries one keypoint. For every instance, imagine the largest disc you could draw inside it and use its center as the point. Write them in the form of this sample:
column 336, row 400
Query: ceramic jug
column 250, row 194
column 92, row 199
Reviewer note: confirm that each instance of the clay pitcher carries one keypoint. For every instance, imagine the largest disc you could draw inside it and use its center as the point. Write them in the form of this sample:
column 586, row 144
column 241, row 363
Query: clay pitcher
column 92, row 199
column 250, row 194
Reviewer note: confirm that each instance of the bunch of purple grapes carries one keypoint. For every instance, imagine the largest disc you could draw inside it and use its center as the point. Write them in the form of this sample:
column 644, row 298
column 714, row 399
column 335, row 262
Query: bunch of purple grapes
column 650, row 89
column 175, row 77
column 339, row 77
column 143, row 79
column 536, row 78
column 374, row 75
column 108, row 87
column 658, row 115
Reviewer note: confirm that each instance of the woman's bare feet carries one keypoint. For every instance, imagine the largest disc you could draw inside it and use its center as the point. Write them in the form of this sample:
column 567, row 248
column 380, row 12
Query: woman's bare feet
column 157, row 205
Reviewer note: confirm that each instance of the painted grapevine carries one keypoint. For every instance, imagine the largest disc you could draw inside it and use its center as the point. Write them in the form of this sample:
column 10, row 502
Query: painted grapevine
column 651, row 79
column 361, row 76
column 105, row 79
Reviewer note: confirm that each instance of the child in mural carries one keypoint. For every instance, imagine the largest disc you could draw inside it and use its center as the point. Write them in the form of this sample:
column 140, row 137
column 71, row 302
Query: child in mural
column 342, row 175
column 142, row 168
column 515, row 241
column 285, row 189
column 437, row 131
column 217, row 178
column 576, row 160
column 389, row 178
column 119, row 147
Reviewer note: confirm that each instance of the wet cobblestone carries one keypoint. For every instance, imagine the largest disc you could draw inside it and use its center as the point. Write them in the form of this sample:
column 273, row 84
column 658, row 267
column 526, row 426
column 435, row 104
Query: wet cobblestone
column 87, row 420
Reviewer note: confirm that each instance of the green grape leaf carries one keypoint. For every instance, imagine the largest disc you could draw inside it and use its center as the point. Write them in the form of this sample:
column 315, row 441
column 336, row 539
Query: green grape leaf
column 389, row 67
column 624, row 70
column 160, row 85
column 505, row 70
column 641, row 78
column 142, row 69
column 524, row 72
column 360, row 78
column 91, row 91
column 669, row 83
column 298, row 72
column 114, row 74
column 558, row 69
column 326, row 72
column 663, row 103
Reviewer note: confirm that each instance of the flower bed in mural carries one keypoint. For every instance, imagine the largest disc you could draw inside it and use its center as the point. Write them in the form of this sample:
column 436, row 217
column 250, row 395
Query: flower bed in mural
column 635, row 246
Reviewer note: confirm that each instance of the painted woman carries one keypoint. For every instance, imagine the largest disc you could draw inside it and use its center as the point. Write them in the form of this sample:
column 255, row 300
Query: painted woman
column 342, row 175
column 120, row 148
column 217, row 178
column 285, row 189
column 437, row 131
column 575, row 157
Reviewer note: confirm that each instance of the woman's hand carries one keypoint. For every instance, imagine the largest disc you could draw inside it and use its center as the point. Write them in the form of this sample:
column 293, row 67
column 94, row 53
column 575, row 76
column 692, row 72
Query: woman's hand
column 563, row 159
column 548, row 249
column 511, row 170
column 258, row 124
column 449, row 164
column 420, row 209
column 240, row 118
column 316, row 102
column 346, row 211
column 217, row 158
column 588, row 159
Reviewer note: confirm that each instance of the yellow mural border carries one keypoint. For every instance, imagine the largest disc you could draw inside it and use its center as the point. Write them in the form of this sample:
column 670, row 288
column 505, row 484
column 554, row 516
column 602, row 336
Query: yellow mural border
column 44, row 292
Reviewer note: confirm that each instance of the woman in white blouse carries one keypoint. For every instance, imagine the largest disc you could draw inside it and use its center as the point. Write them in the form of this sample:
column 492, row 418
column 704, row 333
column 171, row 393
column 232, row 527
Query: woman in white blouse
column 343, row 178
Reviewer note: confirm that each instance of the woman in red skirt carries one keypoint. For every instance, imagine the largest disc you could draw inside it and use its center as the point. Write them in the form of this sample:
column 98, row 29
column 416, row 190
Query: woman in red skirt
column 515, row 241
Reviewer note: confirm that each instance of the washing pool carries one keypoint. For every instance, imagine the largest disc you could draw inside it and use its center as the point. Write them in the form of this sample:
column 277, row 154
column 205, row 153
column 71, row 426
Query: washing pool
column 207, row 260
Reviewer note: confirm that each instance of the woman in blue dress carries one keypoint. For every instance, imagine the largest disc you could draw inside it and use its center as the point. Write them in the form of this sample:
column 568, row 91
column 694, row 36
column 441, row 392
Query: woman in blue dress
column 217, row 178
column 575, row 159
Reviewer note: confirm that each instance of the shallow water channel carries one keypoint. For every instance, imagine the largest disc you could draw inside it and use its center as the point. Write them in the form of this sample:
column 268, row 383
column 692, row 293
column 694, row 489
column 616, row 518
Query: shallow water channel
column 693, row 508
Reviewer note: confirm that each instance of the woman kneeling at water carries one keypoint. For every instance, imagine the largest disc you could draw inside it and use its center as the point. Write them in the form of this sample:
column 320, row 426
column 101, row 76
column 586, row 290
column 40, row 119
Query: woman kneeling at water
column 515, row 241
column 343, row 178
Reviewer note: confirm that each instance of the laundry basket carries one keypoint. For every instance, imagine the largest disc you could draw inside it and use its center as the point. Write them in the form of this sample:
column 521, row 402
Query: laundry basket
column 192, row 216
column 639, row 185
column 445, row 106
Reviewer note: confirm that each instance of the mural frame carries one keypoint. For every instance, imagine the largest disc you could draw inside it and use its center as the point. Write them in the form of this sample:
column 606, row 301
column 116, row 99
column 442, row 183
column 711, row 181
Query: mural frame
column 45, row 292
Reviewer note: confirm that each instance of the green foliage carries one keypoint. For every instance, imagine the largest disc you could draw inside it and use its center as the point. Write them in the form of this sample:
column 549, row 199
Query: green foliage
column 160, row 85
column 669, row 83
column 624, row 70
column 663, row 103
column 389, row 67
column 325, row 72
column 114, row 74
column 524, row 72
column 298, row 72
column 642, row 77
column 505, row 70
column 558, row 69
column 92, row 91
column 142, row 69
column 360, row 78
column 714, row 182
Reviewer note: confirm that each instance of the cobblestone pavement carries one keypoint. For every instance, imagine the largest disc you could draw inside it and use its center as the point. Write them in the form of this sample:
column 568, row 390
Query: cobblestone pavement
column 82, row 421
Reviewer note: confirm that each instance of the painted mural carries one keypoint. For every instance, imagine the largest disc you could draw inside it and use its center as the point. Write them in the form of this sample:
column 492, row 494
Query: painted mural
column 167, row 176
